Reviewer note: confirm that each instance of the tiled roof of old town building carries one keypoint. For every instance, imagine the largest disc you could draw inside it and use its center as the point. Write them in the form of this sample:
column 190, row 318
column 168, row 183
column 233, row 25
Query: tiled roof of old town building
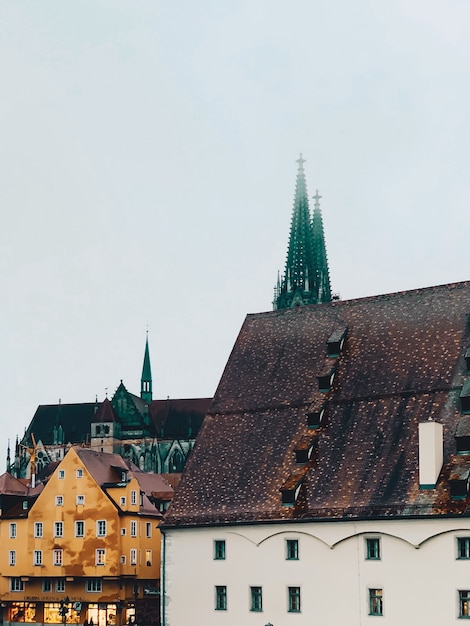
column 316, row 415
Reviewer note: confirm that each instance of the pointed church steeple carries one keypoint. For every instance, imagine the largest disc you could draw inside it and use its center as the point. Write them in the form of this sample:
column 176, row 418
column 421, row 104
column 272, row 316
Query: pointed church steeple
column 306, row 277
column 146, row 379
column 321, row 287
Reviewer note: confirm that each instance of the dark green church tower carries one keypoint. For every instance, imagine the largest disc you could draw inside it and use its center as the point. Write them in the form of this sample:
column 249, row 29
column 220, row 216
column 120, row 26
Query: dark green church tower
column 306, row 278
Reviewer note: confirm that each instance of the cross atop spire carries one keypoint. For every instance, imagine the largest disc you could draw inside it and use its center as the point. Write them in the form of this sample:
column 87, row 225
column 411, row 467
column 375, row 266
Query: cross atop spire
column 306, row 277
column 301, row 161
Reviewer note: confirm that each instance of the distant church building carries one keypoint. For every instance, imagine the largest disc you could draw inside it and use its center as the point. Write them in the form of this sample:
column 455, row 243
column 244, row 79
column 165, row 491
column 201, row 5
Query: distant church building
column 306, row 278
column 156, row 435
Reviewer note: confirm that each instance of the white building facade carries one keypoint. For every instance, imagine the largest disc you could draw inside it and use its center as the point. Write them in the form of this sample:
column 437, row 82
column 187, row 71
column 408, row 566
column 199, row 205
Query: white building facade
column 408, row 572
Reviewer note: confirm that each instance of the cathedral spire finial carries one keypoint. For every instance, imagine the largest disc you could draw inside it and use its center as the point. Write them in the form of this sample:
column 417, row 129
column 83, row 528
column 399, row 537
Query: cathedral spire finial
column 146, row 379
column 306, row 277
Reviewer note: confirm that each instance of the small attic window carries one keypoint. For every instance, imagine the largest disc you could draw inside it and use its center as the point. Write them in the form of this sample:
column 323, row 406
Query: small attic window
column 465, row 397
column 467, row 359
column 315, row 414
column 304, row 449
column 462, row 435
column 335, row 341
column 325, row 378
column 459, row 485
column 25, row 505
column 463, row 444
column 291, row 488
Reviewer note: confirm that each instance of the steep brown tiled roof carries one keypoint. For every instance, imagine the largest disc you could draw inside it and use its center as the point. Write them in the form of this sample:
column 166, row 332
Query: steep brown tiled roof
column 402, row 363
column 11, row 486
column 153, row 485
column 105, row 413
column 106, row 469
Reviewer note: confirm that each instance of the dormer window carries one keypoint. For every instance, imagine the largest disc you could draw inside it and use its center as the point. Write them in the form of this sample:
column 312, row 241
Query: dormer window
column 336, row 341
column 325, row 378
column 291, row 488
column 458, row 482
column 316, row 413
column 462, row 435
column 124, row 476
column 465, row 397
column 303, row 450
column 467, row 360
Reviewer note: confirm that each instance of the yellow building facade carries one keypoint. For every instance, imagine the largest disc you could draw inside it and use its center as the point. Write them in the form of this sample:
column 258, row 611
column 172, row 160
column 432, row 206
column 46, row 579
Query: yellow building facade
column 86, row 550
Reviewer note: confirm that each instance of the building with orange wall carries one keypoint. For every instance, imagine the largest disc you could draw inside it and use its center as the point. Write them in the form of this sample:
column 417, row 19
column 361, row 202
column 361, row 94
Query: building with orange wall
column 84, row 545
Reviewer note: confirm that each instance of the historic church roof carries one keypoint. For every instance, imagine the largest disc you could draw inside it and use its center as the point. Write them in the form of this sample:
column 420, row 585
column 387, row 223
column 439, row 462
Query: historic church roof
column 178, row 418
column 105, row 413
column 74, row 419
column 306, row 277
column 316, row 415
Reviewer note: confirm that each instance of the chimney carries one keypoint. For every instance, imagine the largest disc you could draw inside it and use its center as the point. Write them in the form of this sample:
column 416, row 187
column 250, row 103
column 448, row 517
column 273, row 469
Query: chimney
column 431, row 453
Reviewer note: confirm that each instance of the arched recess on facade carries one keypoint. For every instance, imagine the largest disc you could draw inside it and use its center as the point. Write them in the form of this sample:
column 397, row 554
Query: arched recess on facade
column 131, row 453
column 176, row 461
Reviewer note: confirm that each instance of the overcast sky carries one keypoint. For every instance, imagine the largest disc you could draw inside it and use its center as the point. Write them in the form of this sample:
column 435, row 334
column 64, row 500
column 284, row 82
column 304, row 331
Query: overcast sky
column 147, row 174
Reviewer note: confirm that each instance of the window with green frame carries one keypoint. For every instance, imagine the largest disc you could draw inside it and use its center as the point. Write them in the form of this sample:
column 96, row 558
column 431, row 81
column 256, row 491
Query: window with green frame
column 373, row 549
column 375, row 602
column 219, row 550
column 256, row 599
column 220, row 598
column 292, row 549
column 464, row 604
column 293, row 599
column 463, row 547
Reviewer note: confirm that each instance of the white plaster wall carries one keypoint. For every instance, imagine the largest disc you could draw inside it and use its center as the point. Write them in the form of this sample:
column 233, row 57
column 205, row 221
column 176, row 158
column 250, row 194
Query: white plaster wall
column 418, row 572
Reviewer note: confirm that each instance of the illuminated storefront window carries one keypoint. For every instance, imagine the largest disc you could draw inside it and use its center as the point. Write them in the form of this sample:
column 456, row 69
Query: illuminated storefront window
column 23, row 612
column 52, row 615
column 102, row 614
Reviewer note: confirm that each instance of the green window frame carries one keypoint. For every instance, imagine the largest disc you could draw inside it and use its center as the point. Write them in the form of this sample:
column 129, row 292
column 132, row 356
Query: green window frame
column 219, row 550
column 220, row 598
column 293, row 599
column 464, row 604
column 292, row 549
column 373, row 552
column 463, row 547
column 376, row 606
column 256, row 594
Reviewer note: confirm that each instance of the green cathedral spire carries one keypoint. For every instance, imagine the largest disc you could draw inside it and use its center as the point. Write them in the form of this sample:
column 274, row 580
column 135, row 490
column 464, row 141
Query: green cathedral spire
column 146, row 379
column 306, row 277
